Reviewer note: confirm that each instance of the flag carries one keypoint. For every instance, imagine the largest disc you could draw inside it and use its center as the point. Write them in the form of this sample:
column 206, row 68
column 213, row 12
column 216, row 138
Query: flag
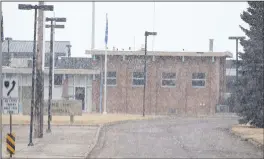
column 2, row 28
column 106, row 31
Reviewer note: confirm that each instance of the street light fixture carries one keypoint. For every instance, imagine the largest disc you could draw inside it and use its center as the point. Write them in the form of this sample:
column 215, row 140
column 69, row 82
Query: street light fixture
column 35, row 7
column 52, row 26
column 145, row 68
column 8, row 50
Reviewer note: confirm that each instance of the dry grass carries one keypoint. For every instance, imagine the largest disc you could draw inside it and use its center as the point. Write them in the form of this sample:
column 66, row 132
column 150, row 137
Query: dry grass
column 85, row 119
column 246, row 132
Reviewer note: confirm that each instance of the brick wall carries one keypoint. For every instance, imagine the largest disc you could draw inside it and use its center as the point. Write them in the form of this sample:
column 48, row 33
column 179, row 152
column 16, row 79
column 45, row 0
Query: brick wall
column 125, row 98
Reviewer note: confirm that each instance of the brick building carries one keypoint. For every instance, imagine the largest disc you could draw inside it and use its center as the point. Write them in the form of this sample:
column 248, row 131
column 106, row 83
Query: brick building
column 176, row 82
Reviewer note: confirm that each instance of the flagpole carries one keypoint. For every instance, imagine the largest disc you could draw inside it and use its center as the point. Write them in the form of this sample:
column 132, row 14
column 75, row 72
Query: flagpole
column 105, row 80
column 105, row 69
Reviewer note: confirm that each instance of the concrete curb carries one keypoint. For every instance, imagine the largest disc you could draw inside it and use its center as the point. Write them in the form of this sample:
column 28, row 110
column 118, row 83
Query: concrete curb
column 95, row 141
column 250, row 140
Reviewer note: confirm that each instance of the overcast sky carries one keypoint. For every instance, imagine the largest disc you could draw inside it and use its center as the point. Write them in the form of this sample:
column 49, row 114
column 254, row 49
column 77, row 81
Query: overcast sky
column 180, row 25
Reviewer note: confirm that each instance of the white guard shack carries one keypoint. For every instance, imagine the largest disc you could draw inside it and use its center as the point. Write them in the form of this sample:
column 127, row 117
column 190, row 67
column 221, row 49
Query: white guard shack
column 79, row 85
column 17, row 63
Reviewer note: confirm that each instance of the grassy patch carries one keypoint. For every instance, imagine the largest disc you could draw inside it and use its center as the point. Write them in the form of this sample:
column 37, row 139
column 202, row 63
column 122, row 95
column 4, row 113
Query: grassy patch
column 85, row 119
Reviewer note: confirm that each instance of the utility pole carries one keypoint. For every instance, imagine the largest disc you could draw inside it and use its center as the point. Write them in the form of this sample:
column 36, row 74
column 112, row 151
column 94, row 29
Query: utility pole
column 40, row 76
column 52, row 26
column 145, row 67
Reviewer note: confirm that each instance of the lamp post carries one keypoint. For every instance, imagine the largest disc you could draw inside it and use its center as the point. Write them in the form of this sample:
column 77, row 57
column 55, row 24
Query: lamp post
column 1, row 75
column 36, row 8
column 8, row 50
column 145, row 68
column 236, row 38
column 52, row 26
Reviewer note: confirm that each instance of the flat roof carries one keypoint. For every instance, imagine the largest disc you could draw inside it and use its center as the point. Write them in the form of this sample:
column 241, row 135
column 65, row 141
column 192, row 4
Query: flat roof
column 46, row 71
column 160, row 53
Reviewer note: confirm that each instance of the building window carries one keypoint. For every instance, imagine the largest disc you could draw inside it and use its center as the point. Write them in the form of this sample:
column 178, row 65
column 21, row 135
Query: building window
column 168, row 79
column 138, row 79
column 58, row 79
column 9, row 75
column 198, row 80
column 111, row 78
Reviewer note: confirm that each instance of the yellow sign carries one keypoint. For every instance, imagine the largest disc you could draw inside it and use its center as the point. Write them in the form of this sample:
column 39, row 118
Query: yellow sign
column 10, row 143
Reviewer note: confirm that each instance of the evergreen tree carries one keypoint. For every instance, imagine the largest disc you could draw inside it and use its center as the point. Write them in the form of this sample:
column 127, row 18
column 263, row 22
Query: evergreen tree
column 250, row 85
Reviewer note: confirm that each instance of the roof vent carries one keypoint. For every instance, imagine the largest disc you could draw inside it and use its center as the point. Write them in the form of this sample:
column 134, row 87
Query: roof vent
column 211, row 45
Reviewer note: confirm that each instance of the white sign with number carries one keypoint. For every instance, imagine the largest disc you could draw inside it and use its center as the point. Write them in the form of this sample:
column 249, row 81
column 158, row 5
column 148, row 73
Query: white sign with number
column 10, row 96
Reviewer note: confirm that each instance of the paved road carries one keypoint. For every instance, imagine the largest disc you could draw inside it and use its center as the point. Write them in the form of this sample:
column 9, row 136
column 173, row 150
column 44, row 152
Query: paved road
column 174, row 138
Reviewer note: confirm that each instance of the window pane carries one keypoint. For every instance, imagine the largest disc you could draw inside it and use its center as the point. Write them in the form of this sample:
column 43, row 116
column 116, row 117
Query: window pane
column 168, row 83
column 168, row 75
column 9, row 75
column 138, row 82
column 198, row 83
column 111, row 81
column 138, row 74
column 58, row 79
column 198, row 75
column 111, row 74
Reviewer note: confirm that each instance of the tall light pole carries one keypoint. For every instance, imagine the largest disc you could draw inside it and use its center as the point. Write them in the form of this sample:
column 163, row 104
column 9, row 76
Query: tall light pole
column 8, row 50
column 236, row 38
column 52, row 26
column 36, row 8
column 2, row 40
column 145, row 68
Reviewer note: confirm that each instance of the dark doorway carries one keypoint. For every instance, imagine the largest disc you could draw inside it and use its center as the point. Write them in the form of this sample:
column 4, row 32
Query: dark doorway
column 80, row 95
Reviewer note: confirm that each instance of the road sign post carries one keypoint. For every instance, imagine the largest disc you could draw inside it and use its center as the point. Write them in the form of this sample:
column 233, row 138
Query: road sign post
column 10, row 106
column 10, row 144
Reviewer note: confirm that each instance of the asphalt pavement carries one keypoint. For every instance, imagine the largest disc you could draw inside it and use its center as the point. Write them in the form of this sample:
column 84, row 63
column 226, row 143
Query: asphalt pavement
column 174, row 137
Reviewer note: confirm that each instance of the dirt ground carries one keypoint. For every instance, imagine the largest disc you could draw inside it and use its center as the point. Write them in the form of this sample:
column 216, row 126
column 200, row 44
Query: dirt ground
column 247, row 132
